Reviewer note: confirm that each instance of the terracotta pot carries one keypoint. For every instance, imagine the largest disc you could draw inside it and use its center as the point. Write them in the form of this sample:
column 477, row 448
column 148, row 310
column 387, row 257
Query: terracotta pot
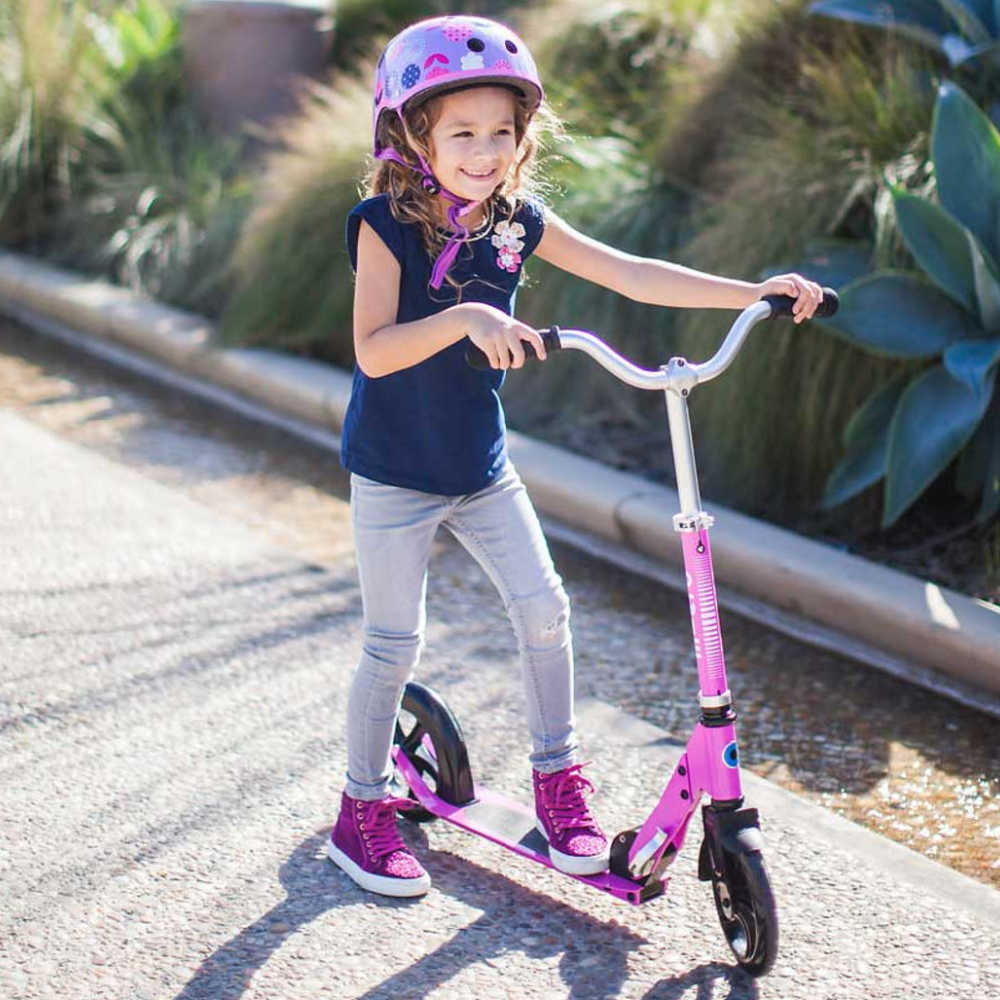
column 244, row 60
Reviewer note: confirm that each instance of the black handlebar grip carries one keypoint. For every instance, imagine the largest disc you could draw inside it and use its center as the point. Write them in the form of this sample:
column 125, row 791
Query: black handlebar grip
column 475, row 358
column 781, row 305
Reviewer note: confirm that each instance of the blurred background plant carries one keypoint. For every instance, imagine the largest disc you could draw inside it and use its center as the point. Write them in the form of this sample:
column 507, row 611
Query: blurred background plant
column 771, row 156
column 910, row 431
column 360, row 24
column 743, row 137
column 803, row 164
column 291, row 251
column 51, row 83
column 613, row 71
column 107, row 167
column 292, row 286
column 159, row 200
column 963, row 31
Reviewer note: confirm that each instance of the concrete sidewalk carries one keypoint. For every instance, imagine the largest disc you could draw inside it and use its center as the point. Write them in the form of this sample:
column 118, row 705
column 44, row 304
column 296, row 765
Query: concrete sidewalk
column 170, row 709
column 906, row 626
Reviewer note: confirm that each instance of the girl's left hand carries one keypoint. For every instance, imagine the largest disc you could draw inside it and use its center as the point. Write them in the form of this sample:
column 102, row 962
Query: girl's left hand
column 807, row 294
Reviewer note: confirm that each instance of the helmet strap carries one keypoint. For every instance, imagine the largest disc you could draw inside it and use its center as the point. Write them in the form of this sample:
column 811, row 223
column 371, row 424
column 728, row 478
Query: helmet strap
column 459, row 207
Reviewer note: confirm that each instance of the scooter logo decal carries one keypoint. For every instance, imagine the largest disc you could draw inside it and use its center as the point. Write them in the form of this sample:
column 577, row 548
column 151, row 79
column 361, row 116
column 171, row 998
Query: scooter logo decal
column 731, row 756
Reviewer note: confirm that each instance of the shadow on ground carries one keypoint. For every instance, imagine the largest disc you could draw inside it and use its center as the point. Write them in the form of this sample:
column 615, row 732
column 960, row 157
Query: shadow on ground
column 512, row 919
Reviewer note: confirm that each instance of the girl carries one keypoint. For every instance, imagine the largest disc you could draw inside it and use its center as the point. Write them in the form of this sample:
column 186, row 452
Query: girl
column 437, row 251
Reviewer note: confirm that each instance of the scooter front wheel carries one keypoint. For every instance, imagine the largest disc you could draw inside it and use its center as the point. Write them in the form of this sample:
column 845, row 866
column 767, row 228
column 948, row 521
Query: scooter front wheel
column 430, row 736
column 747, row 912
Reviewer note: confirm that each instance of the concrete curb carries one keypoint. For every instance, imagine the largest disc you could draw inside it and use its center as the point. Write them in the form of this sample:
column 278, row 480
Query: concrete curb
column 930, row 635
column 825, row 825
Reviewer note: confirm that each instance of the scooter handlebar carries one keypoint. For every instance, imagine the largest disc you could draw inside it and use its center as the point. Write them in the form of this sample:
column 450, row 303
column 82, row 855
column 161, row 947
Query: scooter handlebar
column 781, row 305
column 475, row 358
column 622, row 368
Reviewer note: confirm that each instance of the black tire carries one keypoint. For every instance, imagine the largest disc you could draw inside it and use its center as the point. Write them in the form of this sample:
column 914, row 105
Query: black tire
column 409, row 736
column 749, row 919
column 430, row 736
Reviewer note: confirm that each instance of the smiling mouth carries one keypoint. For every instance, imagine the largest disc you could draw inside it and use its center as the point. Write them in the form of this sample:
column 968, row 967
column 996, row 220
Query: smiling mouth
column 478, row 177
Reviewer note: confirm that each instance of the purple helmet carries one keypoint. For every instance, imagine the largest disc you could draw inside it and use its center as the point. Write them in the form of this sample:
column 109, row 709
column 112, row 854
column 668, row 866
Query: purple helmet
column 443, row 53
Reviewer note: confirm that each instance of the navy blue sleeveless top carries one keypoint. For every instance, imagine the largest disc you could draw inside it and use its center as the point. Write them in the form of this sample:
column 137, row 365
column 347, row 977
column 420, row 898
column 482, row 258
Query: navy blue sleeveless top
column 437, row 426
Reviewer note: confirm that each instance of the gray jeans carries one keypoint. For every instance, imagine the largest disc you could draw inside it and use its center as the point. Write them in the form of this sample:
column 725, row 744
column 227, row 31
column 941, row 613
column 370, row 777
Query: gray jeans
column 393, row 532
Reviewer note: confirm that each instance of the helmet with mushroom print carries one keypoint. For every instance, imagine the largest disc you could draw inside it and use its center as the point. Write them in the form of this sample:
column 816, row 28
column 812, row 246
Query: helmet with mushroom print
column 446, row 53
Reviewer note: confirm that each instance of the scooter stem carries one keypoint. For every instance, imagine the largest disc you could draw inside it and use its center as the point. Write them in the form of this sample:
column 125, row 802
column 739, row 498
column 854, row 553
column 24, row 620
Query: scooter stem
column 693, row 524
column 685, row 469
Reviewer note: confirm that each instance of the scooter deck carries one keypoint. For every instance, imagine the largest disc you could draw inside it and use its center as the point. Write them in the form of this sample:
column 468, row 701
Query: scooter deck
column 511, row 824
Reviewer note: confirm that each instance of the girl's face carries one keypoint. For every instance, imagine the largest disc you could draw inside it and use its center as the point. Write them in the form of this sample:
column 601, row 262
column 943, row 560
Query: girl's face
column 472, row 144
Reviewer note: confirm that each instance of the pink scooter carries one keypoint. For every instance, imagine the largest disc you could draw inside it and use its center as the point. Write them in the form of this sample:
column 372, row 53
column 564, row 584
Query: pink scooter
column 432, row 762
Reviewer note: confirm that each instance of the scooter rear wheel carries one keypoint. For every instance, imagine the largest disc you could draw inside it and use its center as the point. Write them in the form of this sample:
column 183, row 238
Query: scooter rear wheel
column 412, row 738
column 747, row 912
column 430, row 736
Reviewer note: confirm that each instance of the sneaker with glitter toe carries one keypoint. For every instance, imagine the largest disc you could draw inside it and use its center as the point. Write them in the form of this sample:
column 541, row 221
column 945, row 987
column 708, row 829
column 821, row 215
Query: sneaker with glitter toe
column 366, row 846
column 577, row 845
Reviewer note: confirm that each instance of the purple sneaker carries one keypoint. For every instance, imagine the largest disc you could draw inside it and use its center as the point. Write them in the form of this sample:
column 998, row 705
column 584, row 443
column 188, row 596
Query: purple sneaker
column 576, row 844
column 366, row 845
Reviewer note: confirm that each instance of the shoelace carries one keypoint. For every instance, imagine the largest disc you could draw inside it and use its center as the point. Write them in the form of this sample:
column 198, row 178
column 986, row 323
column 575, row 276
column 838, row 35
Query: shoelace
column 380, row 825
column 563, row 796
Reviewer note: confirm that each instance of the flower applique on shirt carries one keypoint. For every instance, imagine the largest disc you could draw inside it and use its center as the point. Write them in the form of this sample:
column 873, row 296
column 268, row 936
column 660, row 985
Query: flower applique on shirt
column 507, row 239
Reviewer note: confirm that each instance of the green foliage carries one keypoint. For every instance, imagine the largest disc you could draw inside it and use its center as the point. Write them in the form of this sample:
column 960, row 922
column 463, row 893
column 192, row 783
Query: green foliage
column 961, row 30
column 609, row 67
column 806, row 159
column 953, row 319
column 141, row 46
column 866, row 439
column 51, row 83
column 936, row 416
column 609, row 70
column 292, row 285
column 160, row 202
column 359, row 23
column 157, row 207
column 966, row 151
column 787, row 140
column 106, row 167
column 724, row 136
column 651, row 219
column 898, row 316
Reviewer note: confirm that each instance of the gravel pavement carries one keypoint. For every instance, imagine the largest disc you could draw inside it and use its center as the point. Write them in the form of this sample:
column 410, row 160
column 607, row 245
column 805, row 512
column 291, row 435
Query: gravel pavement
column 914, row 766
column 171, row 706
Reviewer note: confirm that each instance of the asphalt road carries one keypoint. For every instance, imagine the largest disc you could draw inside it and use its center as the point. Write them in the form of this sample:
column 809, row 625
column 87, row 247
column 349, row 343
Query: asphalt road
column 901, row 761
column 178, row 623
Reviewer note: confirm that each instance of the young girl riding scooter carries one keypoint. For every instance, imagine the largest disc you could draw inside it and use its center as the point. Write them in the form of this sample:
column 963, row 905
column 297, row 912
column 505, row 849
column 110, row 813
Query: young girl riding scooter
column 437, row 250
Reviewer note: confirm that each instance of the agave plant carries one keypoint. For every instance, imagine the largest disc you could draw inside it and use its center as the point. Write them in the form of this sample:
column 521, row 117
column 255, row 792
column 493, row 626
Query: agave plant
column 959, row 29
column 911, row 429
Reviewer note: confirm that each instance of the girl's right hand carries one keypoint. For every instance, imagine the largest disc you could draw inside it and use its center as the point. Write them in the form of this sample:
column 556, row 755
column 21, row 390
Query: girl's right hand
column 498, row 335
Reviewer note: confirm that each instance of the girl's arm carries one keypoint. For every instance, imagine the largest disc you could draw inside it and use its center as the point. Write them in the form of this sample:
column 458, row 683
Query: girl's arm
column 383, row 346
column 659, row 282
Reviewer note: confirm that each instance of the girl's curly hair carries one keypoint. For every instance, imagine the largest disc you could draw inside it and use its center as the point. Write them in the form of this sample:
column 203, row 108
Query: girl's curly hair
column 409, row 202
